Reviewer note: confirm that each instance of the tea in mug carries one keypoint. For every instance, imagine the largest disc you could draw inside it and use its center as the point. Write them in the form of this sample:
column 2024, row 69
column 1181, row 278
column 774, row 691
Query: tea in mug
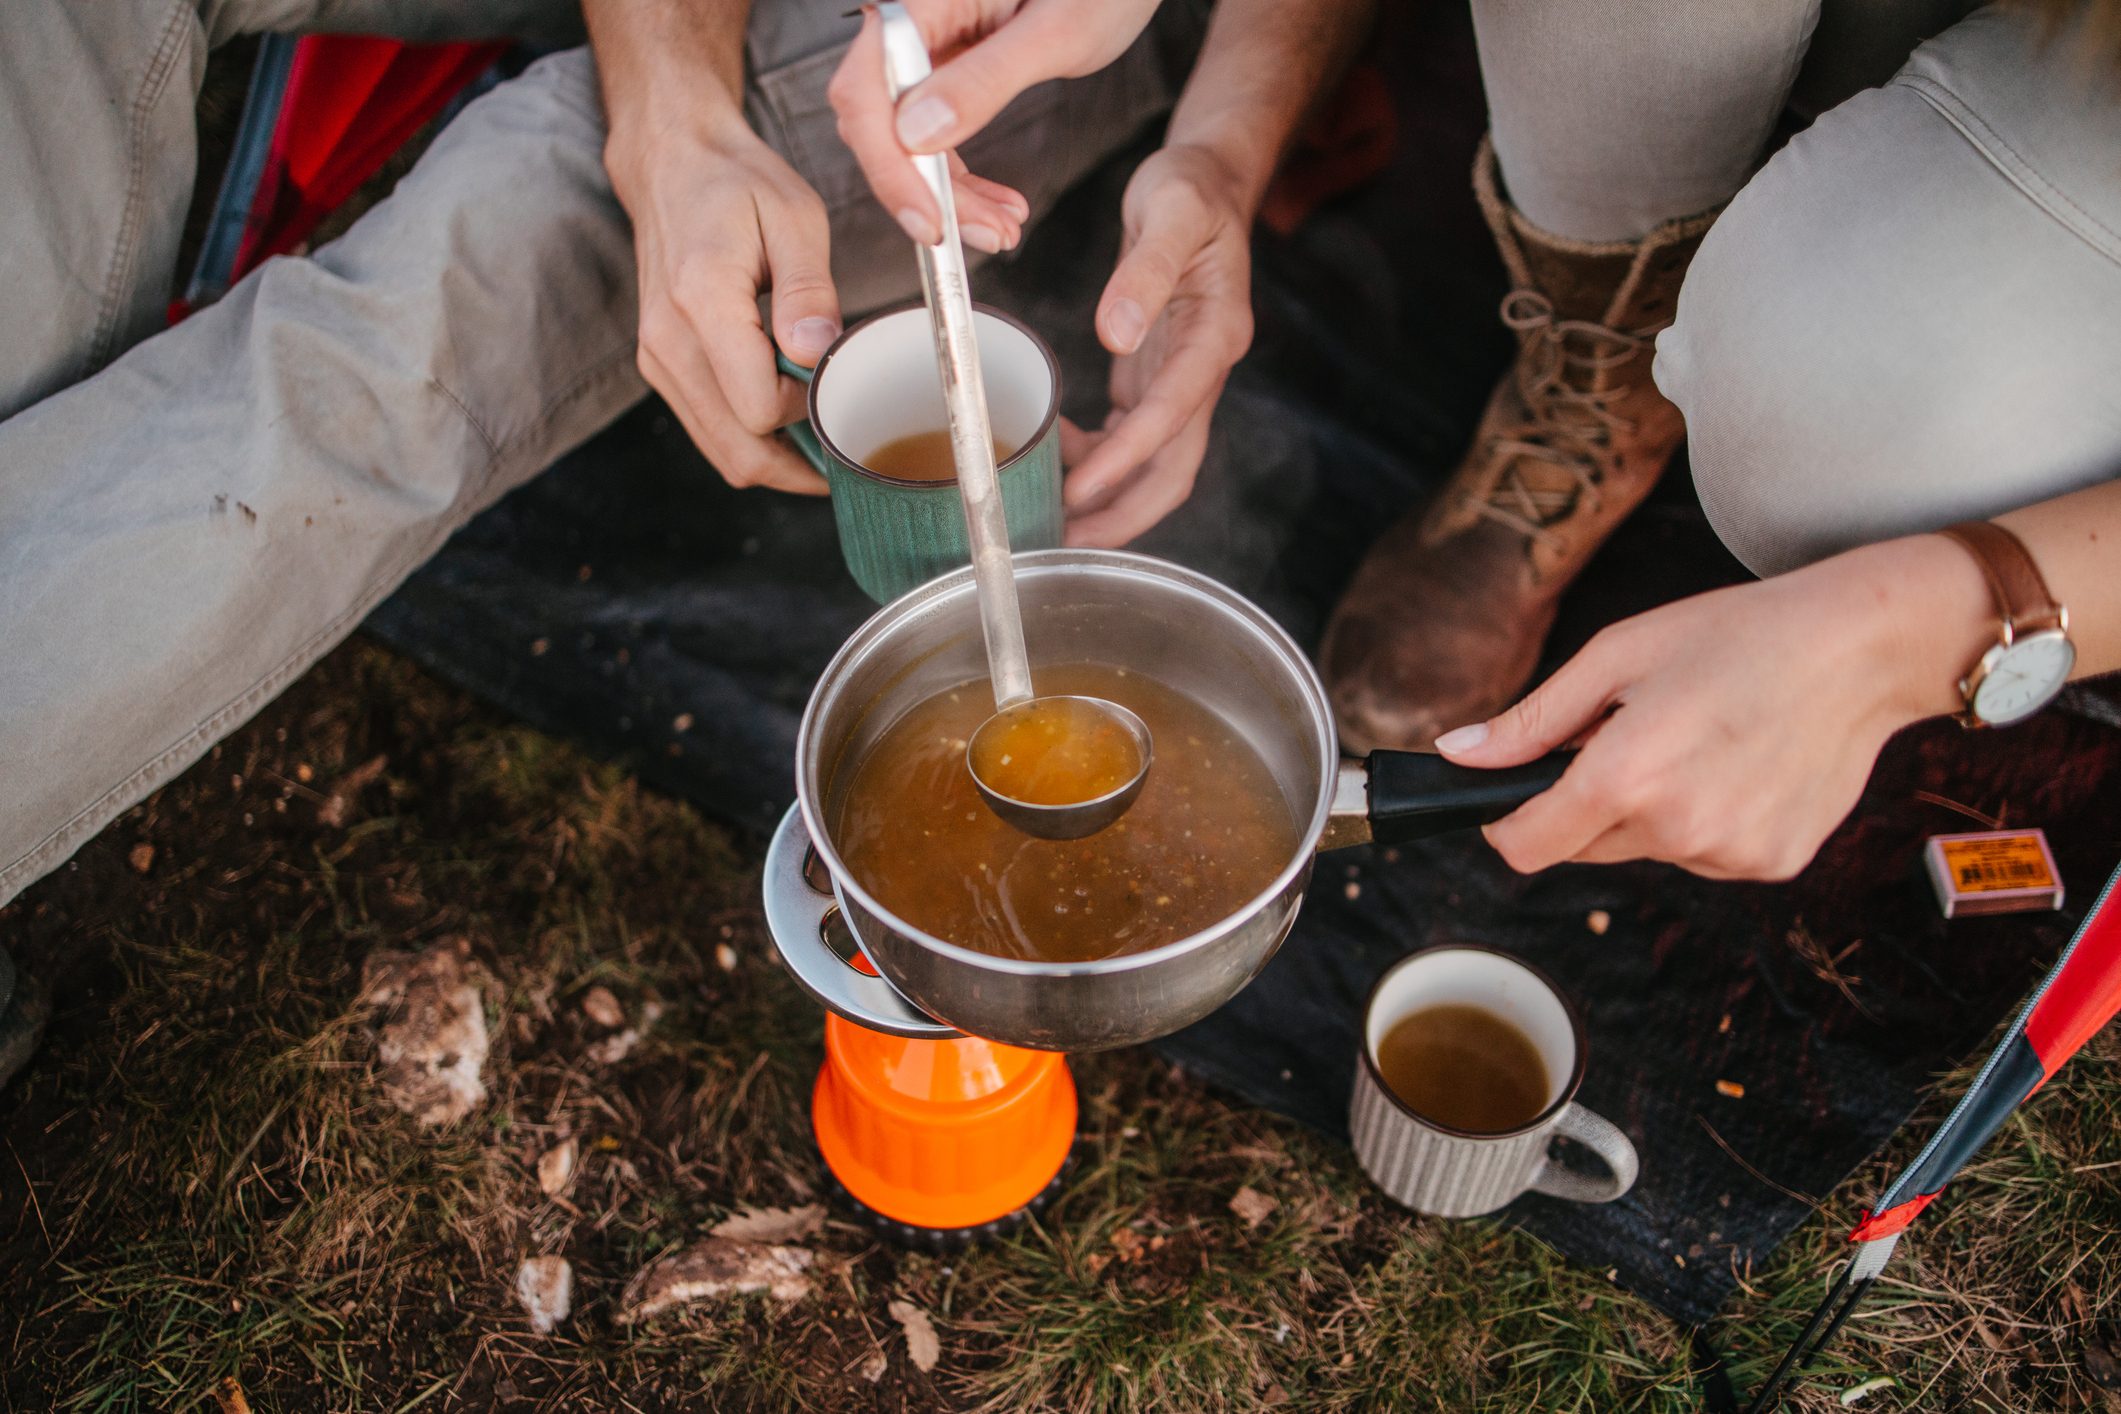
column 923, row 456
column 1465, row 1068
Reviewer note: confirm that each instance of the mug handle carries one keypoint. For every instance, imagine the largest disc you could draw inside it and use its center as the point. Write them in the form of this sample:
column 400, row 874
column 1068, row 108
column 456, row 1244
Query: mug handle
column 801, row 432
column 795, row 916
column 1603, row 1138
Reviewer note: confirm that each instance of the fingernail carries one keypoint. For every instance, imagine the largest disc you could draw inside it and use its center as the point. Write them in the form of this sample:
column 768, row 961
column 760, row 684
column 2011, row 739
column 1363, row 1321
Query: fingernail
column 923, row 120
column 918, row 226
column 1462, row 739
column 982, row 238
column 813, row 335
column 1126, row 324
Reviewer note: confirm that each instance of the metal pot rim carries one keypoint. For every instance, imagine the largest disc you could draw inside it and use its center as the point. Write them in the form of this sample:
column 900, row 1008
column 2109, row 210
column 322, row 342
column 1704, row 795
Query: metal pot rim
column 1030, row 563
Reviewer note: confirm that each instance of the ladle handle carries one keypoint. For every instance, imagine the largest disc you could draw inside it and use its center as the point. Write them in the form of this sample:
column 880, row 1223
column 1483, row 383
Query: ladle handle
column 947, row 289
column 1415, row 794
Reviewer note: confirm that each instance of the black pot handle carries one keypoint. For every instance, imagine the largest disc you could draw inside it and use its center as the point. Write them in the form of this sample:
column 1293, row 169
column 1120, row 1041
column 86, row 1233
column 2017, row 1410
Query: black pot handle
column 1415, row 794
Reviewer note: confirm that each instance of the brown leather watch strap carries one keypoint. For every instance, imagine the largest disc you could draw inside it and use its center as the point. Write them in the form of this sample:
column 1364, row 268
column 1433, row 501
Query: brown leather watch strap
column 2021, row 594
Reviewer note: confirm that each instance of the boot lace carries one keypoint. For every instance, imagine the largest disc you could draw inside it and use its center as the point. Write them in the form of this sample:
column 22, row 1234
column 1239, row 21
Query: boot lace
column 1571, row 424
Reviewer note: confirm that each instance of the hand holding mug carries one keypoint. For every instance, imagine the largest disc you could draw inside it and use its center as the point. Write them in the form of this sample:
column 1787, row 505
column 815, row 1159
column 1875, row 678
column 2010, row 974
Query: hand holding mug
column 720, row 219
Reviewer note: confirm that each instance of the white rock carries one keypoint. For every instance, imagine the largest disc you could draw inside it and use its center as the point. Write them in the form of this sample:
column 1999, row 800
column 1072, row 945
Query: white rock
column 545, row 1286
column 431, row 1040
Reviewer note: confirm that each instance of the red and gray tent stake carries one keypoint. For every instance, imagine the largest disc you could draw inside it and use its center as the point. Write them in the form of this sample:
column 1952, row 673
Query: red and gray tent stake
column 2073, row 1001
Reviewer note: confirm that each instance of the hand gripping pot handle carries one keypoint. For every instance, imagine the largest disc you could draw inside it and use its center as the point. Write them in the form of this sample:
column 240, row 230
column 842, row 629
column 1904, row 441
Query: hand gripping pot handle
column 1413, row 795
column 1602, row 1138
column 797, row 915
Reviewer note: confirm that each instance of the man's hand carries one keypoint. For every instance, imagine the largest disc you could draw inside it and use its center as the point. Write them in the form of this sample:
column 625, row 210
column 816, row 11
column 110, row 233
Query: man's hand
column 1178, row 314
column 720, row 220
column 993, row 50
column 717, row 218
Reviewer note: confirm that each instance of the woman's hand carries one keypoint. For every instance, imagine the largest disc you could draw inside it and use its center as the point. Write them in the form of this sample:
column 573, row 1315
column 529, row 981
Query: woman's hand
column 1178, row 314
column 989, row 51
column 1731, row 732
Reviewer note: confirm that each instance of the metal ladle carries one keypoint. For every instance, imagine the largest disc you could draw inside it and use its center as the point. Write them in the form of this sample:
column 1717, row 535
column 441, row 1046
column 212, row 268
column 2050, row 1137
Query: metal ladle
column 948, row 293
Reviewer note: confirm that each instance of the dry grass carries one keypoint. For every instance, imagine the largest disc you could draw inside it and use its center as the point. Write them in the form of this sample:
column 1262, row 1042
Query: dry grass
column 201, row 1181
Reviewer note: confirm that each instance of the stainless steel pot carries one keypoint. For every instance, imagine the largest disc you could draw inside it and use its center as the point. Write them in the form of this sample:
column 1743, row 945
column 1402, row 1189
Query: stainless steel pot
column 1086, row 606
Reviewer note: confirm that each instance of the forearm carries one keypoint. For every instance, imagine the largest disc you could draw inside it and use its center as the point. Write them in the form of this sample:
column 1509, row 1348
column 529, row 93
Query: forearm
column 1935, row 613
column 1264, row 67
column 665, row 65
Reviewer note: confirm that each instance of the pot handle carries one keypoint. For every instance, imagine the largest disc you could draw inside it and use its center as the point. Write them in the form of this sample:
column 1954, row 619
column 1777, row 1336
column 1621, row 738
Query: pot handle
column 796, row 915
column 1410, row 795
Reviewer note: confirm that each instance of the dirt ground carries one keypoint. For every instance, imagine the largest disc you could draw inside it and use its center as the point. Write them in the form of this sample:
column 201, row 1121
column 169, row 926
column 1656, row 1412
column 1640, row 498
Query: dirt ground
column 203, row 1179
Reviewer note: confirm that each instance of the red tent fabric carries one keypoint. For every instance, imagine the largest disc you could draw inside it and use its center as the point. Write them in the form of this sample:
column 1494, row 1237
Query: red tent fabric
column 351, row 102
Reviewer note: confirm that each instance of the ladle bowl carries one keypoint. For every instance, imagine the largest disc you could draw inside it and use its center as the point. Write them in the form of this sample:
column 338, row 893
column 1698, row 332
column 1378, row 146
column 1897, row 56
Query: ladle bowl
column 1069, row 819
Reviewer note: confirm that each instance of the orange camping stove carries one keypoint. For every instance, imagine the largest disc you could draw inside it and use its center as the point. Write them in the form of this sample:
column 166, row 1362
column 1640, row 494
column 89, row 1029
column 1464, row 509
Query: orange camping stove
column 943, row 1142
column 939, row 1138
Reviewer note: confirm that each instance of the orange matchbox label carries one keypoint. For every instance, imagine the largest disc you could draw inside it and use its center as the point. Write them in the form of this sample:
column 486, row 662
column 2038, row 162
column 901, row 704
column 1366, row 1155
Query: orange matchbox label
column 1997, row 863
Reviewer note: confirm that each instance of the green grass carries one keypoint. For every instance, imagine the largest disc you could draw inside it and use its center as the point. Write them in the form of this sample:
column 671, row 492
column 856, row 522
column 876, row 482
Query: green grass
column 200, row 1181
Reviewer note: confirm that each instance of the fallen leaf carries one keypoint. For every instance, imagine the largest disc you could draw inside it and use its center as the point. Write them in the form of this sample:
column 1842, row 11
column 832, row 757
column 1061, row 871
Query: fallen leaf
column 1128, row 1244
column 714, row 1268
column 1253, row 1206
column 1856, row 1394
column 873, row 1368
column 1255, row 1153
column 603, row 1008
column 2101, row 1364
column 431, row 1040
column 1730, row 1089
column 545, row 1287
column 142, row 858
column 772, row 1224
column 922, row 1347
column 228, row 1396
column 2074, row 1306
column 339, row 803
column 556, row 1166
column 614, row 1048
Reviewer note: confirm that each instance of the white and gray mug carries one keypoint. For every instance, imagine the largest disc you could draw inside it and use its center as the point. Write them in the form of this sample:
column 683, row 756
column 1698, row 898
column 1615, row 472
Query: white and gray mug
column 1454, row 1173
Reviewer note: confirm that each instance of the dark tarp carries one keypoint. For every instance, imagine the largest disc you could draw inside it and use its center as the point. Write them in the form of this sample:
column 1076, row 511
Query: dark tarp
column 629, row 586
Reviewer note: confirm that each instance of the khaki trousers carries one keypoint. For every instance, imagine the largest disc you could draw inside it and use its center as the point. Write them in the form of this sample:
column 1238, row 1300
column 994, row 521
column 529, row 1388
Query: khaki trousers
column 190, row 517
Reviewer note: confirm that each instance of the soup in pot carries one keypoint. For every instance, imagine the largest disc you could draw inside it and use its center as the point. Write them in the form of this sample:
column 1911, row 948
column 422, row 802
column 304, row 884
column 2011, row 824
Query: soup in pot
column 1209, row 832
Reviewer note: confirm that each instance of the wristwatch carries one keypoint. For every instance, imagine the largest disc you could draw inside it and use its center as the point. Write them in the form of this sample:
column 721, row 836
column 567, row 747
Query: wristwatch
column 2032, row 657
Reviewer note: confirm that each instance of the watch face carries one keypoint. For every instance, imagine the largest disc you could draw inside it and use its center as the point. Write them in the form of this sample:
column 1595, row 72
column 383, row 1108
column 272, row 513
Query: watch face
column 2022, row 678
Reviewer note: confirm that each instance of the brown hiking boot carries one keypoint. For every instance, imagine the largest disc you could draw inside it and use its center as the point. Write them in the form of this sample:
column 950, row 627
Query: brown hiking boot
column 1445, row 617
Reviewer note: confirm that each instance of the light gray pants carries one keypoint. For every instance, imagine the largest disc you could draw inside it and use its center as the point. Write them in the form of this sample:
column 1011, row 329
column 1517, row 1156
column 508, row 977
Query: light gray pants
column 189, row 518
column 1911, row 315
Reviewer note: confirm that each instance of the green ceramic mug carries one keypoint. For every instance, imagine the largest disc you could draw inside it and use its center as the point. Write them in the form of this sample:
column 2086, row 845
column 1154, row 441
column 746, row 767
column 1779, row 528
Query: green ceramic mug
column 878, row 383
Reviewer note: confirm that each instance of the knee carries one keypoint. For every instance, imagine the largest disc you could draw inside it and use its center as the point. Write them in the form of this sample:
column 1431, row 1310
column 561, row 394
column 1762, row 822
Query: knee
column 1880, row 337
column 1756, row 393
